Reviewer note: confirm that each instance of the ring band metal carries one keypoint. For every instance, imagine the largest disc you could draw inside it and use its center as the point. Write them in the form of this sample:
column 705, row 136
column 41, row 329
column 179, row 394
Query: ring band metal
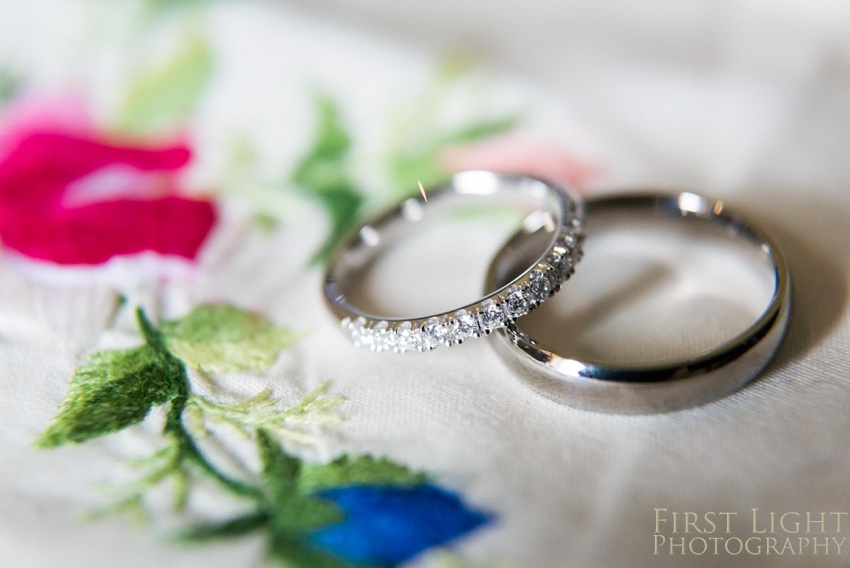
column 639, row 389
column 550, row 206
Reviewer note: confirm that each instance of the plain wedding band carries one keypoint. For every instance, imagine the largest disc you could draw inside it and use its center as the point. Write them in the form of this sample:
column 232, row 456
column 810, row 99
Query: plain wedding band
column 548, row 206
column 672, row 385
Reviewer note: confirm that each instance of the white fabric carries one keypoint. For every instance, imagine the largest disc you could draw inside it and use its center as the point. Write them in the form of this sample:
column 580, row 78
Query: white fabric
column 746, row 101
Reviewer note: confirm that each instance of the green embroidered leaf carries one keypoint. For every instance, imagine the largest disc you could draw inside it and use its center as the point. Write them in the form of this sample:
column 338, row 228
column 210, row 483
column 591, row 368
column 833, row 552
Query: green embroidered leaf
column 290, row 552
column 301, row 514
column 133, row 506
column 161, row 98
column 480, row 130
column 296, row 423
column 294, row 511
column 114, row 390
column 219, row 339
column 360, row 470
column 164, row 5
column 343, row 204
column 9, row 85
column 230, row 528
column 325, row 174
column 280, row 470
column 167, row 463
column 420, row 161
column 330, row 148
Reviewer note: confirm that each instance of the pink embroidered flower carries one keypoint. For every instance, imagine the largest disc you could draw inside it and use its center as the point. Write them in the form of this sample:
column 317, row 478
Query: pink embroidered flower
column 70, row 195
column 518, row 153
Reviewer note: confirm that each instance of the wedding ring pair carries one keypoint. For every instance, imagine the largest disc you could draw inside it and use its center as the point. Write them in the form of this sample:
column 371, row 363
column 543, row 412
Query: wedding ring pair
column 532, row 266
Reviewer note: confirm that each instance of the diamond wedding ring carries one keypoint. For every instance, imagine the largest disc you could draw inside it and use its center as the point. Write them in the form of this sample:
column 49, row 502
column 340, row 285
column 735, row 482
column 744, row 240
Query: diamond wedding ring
column 550, row 209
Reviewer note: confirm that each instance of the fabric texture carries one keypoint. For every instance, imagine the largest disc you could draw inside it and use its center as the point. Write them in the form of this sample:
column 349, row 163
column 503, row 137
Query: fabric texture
column 301, row 119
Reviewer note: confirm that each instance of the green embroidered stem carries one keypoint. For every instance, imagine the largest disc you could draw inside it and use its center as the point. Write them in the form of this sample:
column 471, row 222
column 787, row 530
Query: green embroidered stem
column 181, row 489
column 230, row 528
column 151, row 335
column 186, row 446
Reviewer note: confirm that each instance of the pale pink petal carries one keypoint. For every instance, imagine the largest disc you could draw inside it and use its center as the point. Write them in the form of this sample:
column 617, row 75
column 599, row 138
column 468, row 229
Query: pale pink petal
column 521, row 154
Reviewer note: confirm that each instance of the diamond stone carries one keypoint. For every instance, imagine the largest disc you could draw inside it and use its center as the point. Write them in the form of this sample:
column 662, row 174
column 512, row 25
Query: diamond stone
column 380, row 336
column 361, row 335
column 391, row 340
column 516, row 305
column 539, row 289
column 490, row 316
column 463, row 326
column 407, row 338
column 434, row 333
column 559, row 269
column 569, row 241
column 577, row 253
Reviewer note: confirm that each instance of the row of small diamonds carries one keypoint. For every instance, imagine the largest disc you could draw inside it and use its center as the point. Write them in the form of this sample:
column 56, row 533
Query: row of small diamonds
column 515, row 302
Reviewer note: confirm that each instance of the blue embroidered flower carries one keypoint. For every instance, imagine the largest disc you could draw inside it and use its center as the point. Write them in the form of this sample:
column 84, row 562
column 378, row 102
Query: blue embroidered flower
column 353, row 511
column 386, row 526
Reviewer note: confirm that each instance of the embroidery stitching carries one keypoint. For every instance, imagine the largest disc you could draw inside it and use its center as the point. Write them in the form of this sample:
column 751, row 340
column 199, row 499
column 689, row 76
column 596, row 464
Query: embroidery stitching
column 361, row 510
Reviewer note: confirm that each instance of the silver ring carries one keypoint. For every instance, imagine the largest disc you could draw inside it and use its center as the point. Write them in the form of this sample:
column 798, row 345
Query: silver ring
column 550, row 207
column 672, row 385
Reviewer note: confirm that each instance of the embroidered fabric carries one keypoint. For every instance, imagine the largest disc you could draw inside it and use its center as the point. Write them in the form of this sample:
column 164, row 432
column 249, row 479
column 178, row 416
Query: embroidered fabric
column 752, row 110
